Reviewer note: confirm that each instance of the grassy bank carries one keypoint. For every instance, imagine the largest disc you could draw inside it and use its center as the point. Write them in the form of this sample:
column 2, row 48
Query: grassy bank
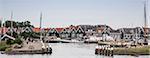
column 3, row 46
column 145, row 50
column 7, row 44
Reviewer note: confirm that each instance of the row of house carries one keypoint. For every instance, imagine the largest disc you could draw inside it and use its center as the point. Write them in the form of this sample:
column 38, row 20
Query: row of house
column 67, row 33
column 86, row 30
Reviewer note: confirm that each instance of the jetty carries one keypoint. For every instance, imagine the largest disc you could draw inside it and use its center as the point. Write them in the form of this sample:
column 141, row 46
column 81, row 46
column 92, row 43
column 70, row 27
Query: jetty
column 110, row 51
column 35, row 47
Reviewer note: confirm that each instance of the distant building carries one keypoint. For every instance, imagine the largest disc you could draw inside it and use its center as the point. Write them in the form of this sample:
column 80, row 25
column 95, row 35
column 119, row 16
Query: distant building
column 70, row 32
column 131, row 33
column 115, row 34
column 95, row 30
column 146, row 32
column 27, row 29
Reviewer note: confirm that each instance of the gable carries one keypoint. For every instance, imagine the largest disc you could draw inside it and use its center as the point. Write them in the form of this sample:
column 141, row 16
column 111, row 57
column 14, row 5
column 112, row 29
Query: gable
column 27, row 29
column 52, row 31
column 79, row 29
column 7, row 37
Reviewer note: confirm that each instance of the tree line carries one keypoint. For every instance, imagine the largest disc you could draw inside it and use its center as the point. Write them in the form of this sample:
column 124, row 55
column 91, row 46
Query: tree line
column 16, row 24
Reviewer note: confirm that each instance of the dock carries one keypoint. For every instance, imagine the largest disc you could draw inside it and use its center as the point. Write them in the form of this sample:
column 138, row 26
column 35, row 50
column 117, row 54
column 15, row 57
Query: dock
column 110, row 51
column 30, row 48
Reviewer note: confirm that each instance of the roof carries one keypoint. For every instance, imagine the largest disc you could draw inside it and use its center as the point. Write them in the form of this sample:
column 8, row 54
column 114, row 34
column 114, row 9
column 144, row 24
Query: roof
column 131, row 30
column 59, row 29
column 8, row 37
column 114, row 31
column 30, row 29
column 147, row 30
column 36, row 29
column 3, row 30
column 94, row 27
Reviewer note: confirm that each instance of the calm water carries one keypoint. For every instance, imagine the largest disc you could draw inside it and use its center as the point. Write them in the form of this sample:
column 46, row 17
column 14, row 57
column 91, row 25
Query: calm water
column 65, row 50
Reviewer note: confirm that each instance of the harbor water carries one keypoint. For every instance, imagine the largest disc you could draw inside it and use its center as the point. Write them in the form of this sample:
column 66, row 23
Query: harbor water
column 71, row 50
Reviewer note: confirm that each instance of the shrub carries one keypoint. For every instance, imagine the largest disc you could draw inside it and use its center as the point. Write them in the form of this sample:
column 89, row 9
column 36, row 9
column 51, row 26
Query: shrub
column 3, row 46
column 18, row 41
column 10, row 42
column 8, row 50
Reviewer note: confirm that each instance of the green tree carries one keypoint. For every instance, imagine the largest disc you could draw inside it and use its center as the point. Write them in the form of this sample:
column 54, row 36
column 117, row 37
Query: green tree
column 18, row 24
column 8, row 23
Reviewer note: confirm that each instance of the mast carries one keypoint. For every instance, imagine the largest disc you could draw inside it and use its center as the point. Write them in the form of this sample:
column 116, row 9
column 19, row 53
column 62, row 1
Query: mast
column 145, row 23
column 43, row 45
column 41, row 26
column 145, row 14
column 11, row 27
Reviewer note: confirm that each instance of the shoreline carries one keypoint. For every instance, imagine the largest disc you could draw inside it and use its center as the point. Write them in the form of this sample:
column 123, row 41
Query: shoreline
column 29, row 48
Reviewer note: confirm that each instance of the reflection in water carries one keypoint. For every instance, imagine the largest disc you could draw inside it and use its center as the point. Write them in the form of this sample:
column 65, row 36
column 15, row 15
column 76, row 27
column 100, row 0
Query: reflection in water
column 67, row 50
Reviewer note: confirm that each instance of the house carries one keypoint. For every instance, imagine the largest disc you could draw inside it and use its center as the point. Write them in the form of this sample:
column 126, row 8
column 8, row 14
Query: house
column 88, row 29
column 46, row 29
column 6, row 37
column 115, row 34
column 65, row 33
column 146, row 32
column 19, row 30
column 58, row 31
column 80, row 32
column 52, row 32
column 95, row 30
column 3, row 35
column 131, row 33
column 27, row 29
column 72, row 32
column 37, row 30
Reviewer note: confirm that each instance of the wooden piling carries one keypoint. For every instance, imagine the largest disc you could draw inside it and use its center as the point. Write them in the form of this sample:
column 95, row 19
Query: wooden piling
column 104, row 50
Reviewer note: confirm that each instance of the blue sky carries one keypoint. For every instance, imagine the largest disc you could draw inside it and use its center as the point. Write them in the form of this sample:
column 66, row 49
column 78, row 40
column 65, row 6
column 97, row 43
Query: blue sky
column 62, row 13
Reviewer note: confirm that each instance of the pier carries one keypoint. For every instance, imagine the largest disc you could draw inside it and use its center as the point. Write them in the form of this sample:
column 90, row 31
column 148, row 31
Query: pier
column 35, row 47
column 110, row 51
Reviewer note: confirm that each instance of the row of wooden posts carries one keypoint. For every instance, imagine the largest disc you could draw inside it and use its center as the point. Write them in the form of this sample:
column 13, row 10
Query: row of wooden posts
column 107, row 51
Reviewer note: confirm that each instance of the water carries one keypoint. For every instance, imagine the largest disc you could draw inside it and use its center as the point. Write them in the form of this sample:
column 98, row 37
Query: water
column 67, row 50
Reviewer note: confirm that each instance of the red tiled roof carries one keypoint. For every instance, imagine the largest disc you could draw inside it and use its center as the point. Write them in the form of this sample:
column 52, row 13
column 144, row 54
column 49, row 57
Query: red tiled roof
column 36, row 29
column 146, row 30
column 3, row 30
column 59, row 29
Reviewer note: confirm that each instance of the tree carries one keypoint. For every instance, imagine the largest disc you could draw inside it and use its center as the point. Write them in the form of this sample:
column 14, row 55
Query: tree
column 8, row 23
column 18, row 24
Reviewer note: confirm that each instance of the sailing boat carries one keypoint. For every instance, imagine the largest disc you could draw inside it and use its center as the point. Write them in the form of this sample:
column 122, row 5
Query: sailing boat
column 47, row 48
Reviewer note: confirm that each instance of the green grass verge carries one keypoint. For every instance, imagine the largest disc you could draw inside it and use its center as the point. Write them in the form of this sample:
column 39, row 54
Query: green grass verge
column 132, row 51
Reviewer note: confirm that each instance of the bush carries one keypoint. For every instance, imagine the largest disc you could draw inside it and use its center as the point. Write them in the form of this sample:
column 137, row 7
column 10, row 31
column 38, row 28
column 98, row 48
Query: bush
column 18, row 41
column 2, row 48
column 10, row 42
column 8, row 50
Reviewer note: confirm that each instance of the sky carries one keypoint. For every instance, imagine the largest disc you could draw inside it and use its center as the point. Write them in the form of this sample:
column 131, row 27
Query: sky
column 63, row 13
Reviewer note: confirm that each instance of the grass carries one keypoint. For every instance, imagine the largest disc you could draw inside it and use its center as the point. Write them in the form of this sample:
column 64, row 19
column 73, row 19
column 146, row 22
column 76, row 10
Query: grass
column 132, row 51
column 3, row 46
